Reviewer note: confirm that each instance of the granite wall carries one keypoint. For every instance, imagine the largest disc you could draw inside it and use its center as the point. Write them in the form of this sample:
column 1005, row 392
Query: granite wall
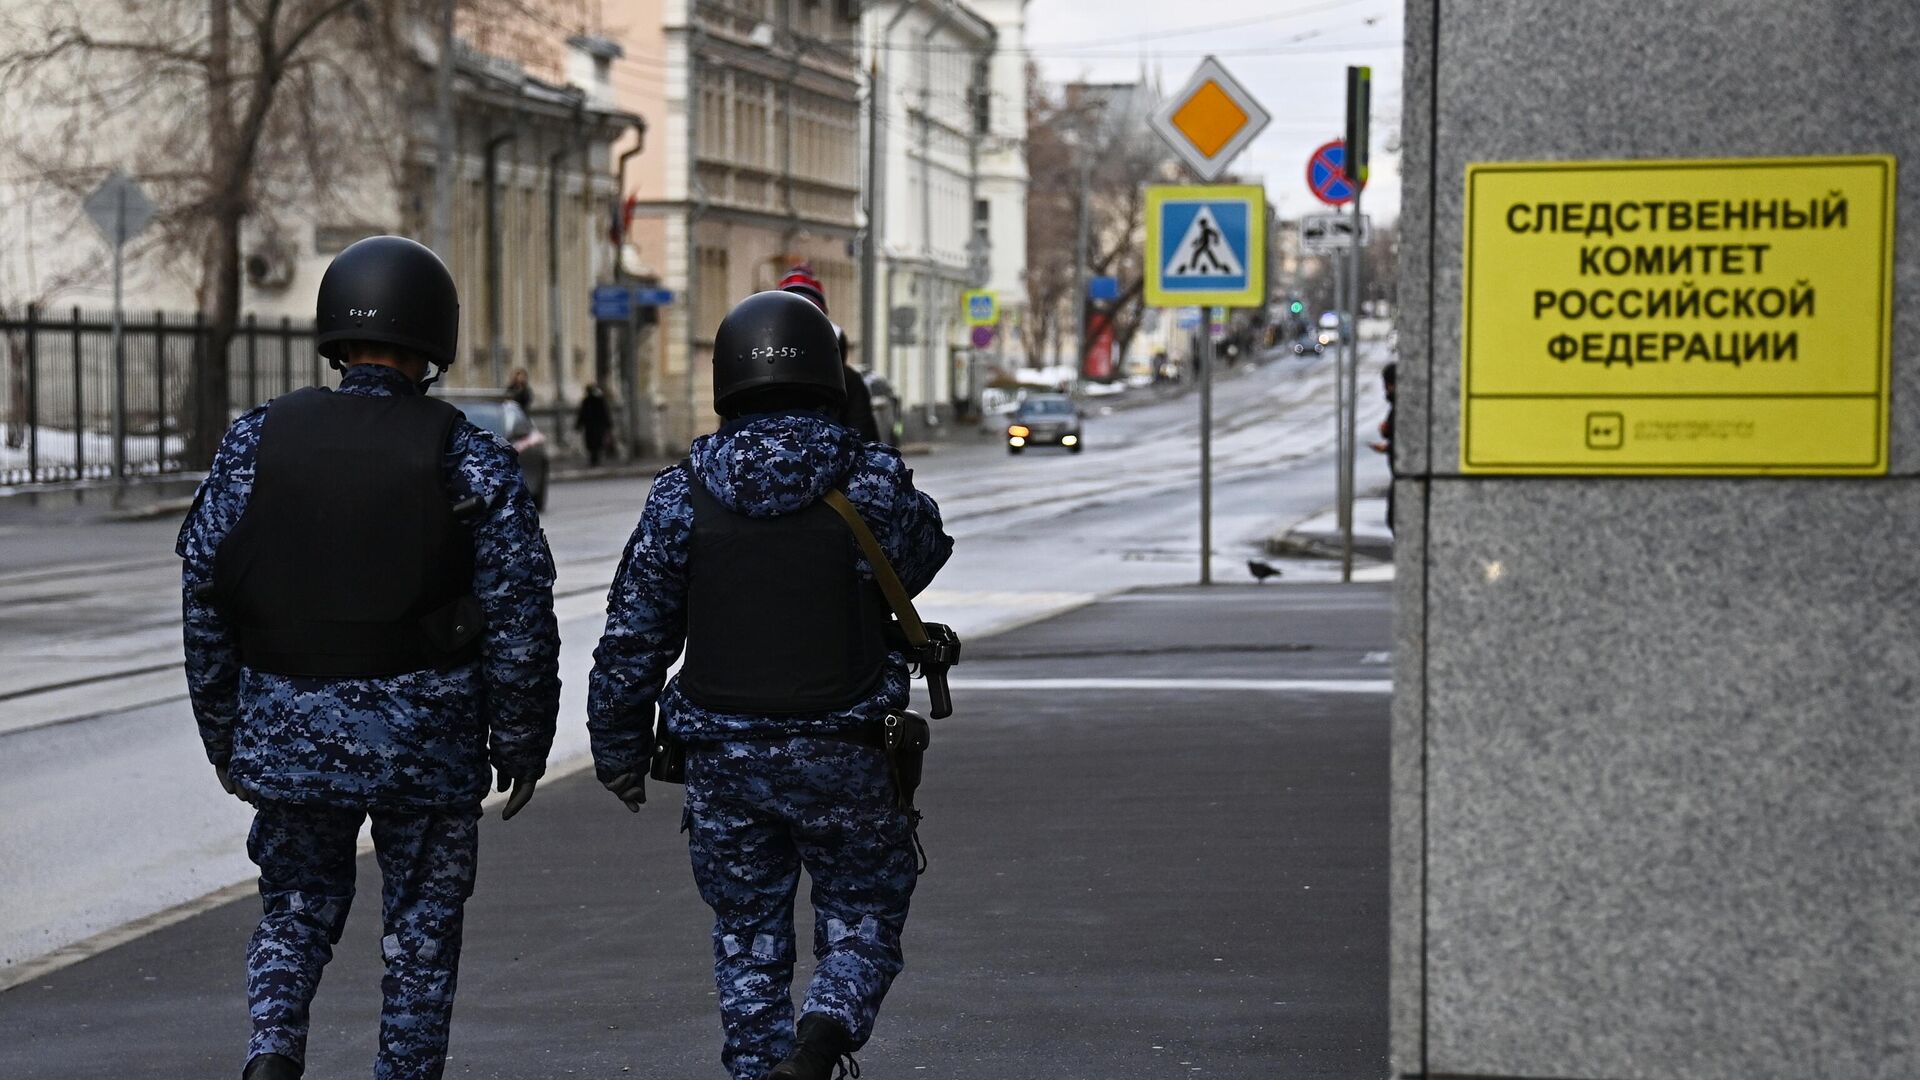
column 1657, row 740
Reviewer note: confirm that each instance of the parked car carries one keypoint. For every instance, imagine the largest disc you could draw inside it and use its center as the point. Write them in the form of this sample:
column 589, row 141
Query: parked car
column 495, row 412
column 1046, row 420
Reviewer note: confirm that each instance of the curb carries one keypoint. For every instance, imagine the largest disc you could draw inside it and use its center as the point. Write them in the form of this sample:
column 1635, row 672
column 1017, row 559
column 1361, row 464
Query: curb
column 1296, row 542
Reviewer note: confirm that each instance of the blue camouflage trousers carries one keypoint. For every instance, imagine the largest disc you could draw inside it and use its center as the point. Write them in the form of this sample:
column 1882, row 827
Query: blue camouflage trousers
column 757, row 812
column 306, row 860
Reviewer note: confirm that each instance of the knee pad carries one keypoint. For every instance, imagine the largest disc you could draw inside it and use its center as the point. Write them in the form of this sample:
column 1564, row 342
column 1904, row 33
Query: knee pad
column 869, row 932
column 410, row 950
column 327, row 912
column 769, row 948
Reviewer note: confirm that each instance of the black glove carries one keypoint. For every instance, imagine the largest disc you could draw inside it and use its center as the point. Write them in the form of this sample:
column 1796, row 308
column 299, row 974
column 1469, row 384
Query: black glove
column 630, row 788
column 227, row 785
column 522, row 793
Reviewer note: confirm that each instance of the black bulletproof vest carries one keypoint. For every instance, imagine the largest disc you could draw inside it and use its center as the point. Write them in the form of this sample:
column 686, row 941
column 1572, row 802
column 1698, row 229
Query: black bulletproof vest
column 348, row 561
column 779, row 619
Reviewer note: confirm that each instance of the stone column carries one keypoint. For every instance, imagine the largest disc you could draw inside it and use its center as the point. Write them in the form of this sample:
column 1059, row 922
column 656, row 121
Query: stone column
column 1657, row 740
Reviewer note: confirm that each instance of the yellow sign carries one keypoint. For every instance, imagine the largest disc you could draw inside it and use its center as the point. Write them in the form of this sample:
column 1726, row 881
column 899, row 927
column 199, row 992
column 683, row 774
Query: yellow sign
column 982, row 307
column 1678, row 317
column 1210, row 120
column 1206, row 245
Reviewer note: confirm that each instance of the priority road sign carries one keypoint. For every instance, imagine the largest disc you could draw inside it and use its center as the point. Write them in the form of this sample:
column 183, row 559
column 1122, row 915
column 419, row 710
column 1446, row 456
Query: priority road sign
column 1206, row 245
column 1210, row 120
column 1326, row 175
column 983, row 307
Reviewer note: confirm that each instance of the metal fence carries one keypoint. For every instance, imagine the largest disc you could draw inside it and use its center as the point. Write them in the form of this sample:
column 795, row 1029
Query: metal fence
column 70, row 409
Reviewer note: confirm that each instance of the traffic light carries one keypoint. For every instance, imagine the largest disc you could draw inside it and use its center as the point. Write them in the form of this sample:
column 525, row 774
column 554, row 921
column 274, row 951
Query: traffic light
column 1296, row 307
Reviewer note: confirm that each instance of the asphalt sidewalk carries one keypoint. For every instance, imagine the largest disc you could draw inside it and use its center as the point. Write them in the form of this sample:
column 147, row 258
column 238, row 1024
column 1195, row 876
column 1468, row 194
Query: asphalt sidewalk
column 1158, row 833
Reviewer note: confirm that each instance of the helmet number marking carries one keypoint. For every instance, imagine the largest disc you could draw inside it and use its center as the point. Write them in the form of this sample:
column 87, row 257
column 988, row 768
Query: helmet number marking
column 775, row 353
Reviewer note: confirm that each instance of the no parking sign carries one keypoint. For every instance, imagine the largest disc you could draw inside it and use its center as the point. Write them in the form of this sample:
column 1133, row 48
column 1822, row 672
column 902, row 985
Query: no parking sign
column 1326, row 175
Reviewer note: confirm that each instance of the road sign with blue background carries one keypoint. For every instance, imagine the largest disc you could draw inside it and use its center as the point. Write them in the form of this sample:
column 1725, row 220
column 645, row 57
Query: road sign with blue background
column 612, row 303
column 982, row 306
column 1206, row 245
column 1326, row 175
column 615, row 303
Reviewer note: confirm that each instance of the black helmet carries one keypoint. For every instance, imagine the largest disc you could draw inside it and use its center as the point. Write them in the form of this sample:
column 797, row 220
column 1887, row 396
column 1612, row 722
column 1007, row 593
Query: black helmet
column 776, row 341
column 392, row 290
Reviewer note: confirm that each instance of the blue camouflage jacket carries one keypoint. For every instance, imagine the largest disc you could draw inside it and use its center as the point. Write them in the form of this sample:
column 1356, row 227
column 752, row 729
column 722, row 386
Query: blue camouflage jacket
column 762, row 466
column 418, row 740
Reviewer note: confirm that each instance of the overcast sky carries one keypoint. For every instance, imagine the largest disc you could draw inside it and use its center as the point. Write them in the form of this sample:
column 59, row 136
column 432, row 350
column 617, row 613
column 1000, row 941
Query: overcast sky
column 1291, row 54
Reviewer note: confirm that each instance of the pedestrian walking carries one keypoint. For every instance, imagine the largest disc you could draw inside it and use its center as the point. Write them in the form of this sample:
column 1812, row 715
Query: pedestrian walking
column 368, row 626
column 1384, row 444
column 520, row 390
column 594, row 421
column 857, row 413
column 741, row 556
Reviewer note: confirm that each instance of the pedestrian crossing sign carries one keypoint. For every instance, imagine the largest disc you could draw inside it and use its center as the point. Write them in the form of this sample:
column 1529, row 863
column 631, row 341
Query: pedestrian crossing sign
column 1206, row 245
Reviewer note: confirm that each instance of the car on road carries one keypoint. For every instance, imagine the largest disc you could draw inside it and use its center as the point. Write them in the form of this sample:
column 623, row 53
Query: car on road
column 495, row 412
column 1046, row 420
column 1316, row 342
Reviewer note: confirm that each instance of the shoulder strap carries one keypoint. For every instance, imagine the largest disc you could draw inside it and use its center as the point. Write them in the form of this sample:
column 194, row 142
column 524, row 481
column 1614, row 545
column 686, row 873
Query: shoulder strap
column 889, row 582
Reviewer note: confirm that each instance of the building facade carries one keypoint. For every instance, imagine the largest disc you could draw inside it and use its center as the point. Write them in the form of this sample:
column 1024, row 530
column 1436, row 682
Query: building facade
column 751, row 166
column 1000, row 204
column 530, row 190
column 929, row 118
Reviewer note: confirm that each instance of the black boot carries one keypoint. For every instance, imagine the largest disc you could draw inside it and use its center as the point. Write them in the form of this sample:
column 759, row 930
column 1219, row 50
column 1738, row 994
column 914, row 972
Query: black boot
column 273, row 1067
column 824, row 1044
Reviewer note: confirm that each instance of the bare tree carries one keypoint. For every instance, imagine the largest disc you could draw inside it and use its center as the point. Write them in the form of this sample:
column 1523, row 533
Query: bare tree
column 1063, row 131
column 228, row 111
column 1052, row 202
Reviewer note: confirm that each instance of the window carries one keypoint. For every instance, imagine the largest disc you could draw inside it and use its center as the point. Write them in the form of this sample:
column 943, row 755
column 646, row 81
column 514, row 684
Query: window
column 713, row 294
column 331, row 239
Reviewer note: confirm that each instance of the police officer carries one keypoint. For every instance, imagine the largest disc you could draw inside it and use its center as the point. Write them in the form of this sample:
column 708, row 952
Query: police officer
column 856, row 411
column 369, row 625
column 788, row 672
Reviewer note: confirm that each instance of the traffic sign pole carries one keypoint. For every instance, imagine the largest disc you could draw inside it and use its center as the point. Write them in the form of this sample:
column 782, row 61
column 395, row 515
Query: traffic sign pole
column 1343, row 461
column 1353, row 400
column 1193, row 257
column 1359, row 91
column 121, row 211
column 119, row 352
column 1206, row 447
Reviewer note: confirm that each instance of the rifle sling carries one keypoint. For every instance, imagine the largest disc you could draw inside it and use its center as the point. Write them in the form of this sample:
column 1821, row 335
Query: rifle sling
column 883, row 575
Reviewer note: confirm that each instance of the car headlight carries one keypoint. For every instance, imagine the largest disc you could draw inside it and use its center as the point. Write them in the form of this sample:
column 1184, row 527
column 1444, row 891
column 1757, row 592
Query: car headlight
column 1019, row 431
column 1069, row 440
column 1016, row 441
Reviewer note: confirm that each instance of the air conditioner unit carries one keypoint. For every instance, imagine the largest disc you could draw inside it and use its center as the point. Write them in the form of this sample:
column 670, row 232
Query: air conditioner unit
column 270, row 267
